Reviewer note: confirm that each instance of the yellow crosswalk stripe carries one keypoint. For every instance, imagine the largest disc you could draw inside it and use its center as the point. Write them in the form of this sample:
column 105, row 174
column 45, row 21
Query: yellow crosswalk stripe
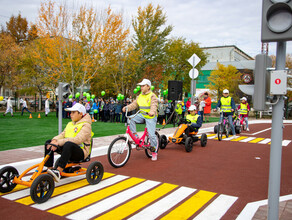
column 239, row 138
column 17, row 188
column 256, row 140
column 211, row 135
column 62, row 189
column 192, row 205
column 94, row 197
column 134, row 205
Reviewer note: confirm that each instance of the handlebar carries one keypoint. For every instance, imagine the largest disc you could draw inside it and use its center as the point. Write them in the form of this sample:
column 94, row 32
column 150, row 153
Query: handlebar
column 132, row 116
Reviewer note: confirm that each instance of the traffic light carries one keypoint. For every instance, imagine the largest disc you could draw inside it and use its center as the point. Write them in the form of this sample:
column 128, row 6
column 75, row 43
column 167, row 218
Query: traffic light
column 261, row 81
column 276, row 20
column 64, row 90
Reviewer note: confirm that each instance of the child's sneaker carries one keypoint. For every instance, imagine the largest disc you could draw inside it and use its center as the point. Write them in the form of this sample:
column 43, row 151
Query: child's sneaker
column 154, row 156
column 55, row 174
column 247, row 129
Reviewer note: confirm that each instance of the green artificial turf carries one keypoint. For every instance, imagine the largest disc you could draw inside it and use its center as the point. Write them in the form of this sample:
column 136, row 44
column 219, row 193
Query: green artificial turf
column 21, row 131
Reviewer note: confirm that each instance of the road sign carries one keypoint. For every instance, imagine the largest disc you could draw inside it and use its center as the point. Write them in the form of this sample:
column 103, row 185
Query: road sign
column 194, row 60
column 194, row 73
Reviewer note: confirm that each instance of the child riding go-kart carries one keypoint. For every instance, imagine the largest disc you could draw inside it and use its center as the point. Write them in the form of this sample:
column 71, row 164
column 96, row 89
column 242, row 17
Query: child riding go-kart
column 186, row 133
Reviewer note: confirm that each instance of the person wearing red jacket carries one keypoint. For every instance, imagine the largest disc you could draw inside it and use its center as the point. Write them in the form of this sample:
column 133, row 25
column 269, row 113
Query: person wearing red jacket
column 207, row 108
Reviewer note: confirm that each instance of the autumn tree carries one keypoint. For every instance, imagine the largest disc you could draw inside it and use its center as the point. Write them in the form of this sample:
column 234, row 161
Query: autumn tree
column 9, row 61
column 150, row 38
column 177, row 67
column 17, row 27
column 223, row 77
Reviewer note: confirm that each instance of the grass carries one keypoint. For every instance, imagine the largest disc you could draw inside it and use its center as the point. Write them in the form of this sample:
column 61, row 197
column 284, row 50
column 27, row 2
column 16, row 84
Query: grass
column 21, row 131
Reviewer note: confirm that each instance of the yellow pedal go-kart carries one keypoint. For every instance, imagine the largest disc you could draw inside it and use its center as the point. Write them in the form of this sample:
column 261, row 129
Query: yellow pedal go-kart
column 184, row 134
column 41, row 183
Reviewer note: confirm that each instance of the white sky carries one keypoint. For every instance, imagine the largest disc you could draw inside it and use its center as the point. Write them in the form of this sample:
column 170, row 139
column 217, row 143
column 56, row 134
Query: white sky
column 207, row 22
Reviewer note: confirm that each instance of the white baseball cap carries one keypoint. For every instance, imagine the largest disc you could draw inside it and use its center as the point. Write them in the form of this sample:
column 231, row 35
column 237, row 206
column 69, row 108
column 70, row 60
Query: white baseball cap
column 243, row 98
column 77, row 107
column 225, row 91
column 145, row 82
column 192, row 108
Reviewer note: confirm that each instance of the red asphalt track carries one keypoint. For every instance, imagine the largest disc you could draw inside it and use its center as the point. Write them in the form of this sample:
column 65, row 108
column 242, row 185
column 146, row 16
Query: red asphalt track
column 224, row 167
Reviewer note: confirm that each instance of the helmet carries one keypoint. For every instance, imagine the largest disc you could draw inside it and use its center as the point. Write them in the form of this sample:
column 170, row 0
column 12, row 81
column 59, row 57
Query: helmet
column 192, row 108
column 225, row 91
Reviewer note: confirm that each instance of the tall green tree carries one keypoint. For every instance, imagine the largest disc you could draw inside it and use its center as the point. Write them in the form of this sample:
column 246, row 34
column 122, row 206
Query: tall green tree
column 177, row 67
column 224, row 78
column 150, row 37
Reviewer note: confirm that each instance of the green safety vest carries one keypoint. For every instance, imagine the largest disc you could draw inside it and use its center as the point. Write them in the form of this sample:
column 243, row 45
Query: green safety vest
column 226, row 104
column 72, row 130
column 193, row 118
column 243, row 109
column 144, row 102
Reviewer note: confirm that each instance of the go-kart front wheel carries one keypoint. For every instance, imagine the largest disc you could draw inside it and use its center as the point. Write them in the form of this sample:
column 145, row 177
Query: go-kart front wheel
column 189, row 144
column 203, row 140
column 164, row 141
column 94, row 173
column 7, row 175
column 42, row 188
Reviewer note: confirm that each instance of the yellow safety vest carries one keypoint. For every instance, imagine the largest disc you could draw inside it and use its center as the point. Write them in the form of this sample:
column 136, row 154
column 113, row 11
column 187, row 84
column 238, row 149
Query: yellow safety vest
column 72, row 130
column 243, row 109
column 178, row 109
column 225, row 104
column 193, row 118
column 144, row 102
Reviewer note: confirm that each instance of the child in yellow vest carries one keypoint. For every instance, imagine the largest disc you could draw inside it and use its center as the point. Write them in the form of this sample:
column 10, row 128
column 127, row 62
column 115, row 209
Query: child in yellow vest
column 194, row 118
column 243, row 109
column 74, row 141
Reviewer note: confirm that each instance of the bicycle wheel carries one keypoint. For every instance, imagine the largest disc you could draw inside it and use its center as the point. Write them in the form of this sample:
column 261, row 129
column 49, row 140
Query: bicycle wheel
column 119, row 152
column 244, row 126
column 148, row 151
column 220, row 132
column 227, row 129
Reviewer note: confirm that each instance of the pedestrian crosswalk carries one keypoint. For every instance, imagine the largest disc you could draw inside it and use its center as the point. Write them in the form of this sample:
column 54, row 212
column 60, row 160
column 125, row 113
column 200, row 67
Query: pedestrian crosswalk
column 120, row 197
column 247, row 139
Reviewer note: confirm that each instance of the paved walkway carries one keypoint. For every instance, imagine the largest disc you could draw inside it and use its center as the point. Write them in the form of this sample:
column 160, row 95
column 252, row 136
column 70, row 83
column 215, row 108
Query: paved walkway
column 23, row 154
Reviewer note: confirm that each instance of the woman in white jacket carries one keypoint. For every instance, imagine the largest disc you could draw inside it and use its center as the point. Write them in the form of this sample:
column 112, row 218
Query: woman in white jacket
column 9, row 107
column 47, row 107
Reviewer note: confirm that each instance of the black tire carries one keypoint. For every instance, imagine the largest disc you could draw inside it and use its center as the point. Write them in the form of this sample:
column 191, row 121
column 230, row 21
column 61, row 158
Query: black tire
column 220, row 132
column 237, row 129
column 227, row 130
column 164, row 141
column 203, row 140
column 42, row 188
column 94, row 173
column 189, row 144
column 119, row 152
column 148, row 152
column 215, row 129
column 7, row 175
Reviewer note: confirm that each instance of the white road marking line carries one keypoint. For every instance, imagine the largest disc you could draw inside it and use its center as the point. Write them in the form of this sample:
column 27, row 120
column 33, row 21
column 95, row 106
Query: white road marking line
column 113, row 201
column 251, row 208
column 265, row 141
column 158, row 208
column 261, row 131
column 217, row 208
column 247, row 139
column 58, row 200
column 286, row 142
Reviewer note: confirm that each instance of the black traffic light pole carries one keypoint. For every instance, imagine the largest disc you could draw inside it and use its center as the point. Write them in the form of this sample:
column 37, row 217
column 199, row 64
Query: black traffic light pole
column 276, row 142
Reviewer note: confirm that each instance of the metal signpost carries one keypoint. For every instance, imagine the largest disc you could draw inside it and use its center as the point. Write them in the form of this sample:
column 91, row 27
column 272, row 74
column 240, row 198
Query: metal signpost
column 194, row 60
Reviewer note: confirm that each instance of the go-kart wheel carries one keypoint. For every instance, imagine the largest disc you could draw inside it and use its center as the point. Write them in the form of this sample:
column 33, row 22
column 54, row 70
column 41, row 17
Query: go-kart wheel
column 215, row 129
column 7, row 175
column 94, row 173
column 189, row 144
column 164, row 141
column 203, row 140
column 42, row 188
column 237, row 129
